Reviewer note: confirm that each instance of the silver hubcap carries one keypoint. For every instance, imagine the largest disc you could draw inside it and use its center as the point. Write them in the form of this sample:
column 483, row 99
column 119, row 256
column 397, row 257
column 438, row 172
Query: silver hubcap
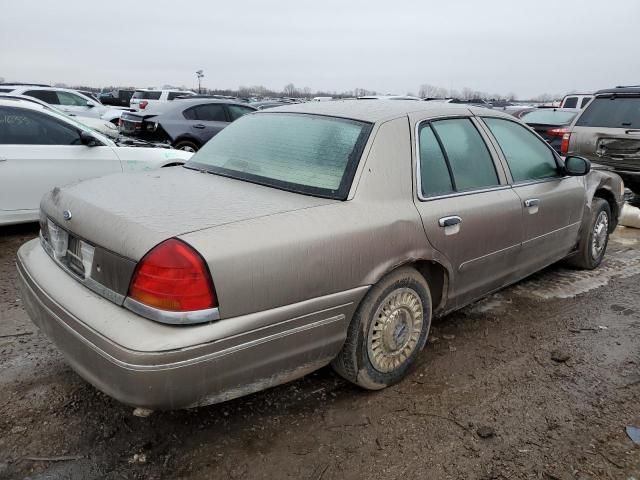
column 599, row 236
column 395, row 330
column 187, row 148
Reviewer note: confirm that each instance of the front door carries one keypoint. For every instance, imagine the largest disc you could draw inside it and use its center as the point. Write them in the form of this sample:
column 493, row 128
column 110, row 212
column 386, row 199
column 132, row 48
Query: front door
column 469, row 213
column 553, row 204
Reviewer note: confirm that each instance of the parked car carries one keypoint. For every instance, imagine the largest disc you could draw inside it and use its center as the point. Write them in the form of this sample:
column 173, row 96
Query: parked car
column 389, row 97
column 608, row 132
column 475, row 102
column 187, row 125
column 41, row 149
column 550, row 123
column 576, row 100
column 299, row 236
column 117, row 98
column 148, row 99
column 67, row 100
column 267, row 104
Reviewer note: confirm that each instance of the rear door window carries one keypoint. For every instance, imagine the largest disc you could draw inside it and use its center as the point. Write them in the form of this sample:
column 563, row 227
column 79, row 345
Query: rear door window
column 529, row 158
column 468, row 157
column 212, row 112
column 612, row 112
column 584, row 102
column 48, row 96
column 570, row 102
column 19, row 126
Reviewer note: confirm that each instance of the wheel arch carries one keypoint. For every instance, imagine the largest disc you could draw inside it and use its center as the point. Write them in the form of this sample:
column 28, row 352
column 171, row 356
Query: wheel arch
column 608, row 196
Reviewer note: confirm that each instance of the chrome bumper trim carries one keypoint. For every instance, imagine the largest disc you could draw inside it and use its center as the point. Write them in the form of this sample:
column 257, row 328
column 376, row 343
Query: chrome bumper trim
column 172, row 318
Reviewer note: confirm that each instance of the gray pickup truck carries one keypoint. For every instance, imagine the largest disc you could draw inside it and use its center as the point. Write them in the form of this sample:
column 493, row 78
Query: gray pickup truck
column 608, row 132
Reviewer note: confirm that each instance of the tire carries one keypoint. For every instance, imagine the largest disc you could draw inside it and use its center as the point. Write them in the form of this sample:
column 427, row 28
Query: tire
column 186, row 145
column 387, row 332
column 594, row 240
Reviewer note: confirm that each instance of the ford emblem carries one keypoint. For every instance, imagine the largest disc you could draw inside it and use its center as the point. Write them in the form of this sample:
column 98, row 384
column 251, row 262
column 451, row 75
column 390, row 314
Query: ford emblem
column 67, row 215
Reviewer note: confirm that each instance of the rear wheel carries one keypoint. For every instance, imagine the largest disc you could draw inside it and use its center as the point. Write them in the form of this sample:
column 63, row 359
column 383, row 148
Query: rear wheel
column 595, row 238
column 388, row 331
column 187, row 146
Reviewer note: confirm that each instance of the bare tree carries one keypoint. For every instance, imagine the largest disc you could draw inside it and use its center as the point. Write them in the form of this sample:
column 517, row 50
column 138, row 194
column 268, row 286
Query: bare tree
column 290, row 90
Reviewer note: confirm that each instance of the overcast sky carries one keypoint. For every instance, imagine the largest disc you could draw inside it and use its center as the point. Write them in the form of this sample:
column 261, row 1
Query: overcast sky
column 497, row 46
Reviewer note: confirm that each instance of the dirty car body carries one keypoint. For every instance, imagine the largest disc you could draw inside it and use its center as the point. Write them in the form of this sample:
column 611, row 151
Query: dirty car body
column 292, row 256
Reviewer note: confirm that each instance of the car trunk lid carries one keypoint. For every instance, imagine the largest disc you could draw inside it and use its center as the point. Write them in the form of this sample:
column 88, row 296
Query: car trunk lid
column 129, row 214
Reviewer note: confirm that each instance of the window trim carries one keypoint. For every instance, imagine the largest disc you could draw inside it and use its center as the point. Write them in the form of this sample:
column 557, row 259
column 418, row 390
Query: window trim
column 418, row 169
column 494, row 140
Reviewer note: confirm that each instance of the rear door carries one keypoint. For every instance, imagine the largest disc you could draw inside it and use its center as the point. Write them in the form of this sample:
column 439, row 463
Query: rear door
column 39, row 152
column 553, row 205
column 206, row 120
column 73, row 104
column 469, row 212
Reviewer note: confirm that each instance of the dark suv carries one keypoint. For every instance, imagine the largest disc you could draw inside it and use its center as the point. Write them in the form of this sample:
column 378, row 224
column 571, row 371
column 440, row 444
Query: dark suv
column 608, row 132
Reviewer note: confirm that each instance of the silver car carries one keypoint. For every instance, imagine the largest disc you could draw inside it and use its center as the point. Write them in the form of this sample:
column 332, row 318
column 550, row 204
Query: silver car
column 328, row 232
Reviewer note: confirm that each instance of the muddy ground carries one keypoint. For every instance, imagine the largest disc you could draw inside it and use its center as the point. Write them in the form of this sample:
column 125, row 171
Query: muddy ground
column 548, row 370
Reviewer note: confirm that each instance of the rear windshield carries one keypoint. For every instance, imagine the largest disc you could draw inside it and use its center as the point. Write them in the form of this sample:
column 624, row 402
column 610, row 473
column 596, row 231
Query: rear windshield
column 612, row 112
column 146, row 95
column 548, row 117
column 302, row 153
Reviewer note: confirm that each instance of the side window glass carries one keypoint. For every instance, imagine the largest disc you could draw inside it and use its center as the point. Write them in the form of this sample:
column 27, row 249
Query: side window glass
column 69, row 99
column 48, row 96
column 434, row 173
column 570, row 102
column 584, row 102
column 528, row 157
column 468, row 157
column 212, row 112
column 19, row 126
column 190, row 113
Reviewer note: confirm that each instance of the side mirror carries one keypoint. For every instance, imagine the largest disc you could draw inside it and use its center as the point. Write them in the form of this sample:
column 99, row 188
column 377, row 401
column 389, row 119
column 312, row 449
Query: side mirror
column 576, row 166
column 88, row 140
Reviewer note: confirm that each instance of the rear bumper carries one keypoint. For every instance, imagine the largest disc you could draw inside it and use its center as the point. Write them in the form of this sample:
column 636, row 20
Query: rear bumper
column 146, row 364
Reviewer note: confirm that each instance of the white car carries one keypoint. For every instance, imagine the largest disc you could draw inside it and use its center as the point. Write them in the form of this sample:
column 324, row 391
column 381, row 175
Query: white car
column 41, row 149
column 67, row 100
column 147, row 98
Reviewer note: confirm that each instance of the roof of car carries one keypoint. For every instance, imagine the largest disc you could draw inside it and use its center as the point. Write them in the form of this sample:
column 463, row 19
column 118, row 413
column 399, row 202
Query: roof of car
column 14, row 101
column 375, row 111
column 633, row 89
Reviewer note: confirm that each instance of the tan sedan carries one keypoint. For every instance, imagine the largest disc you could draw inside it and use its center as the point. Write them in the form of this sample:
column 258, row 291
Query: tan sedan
column 301, row 236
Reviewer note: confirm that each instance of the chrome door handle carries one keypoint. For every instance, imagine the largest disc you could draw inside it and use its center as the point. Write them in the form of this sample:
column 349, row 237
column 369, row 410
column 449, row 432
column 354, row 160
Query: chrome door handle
column 532, row 202
column 199, row 125
column 450, row 221
column 2, row 159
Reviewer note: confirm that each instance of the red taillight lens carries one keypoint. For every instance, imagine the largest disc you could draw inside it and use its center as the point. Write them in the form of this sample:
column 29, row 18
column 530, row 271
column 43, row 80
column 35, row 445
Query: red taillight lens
column 173, row 277
column 557, row 132
column 564, row 144
column 143, row 104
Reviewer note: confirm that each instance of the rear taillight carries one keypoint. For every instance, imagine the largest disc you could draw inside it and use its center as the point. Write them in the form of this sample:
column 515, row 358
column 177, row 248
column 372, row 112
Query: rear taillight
column 564, row 144
column 143, row 104
column 173, row 277
column 557, row 132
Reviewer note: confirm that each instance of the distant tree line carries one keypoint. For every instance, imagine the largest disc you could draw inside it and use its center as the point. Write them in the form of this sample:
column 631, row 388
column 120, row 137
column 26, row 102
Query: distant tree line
column 290, row 90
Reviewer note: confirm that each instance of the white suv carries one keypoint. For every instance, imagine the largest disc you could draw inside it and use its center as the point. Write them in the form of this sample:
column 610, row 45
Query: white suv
column 146, row 99
column 69, row 101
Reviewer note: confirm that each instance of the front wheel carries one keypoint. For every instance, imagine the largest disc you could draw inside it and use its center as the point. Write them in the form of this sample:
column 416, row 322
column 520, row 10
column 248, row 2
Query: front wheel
column 594, row 240
column 387, row 332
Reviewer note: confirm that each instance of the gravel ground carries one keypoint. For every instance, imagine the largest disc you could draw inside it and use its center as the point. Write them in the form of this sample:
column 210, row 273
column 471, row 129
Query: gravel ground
column 538, row 381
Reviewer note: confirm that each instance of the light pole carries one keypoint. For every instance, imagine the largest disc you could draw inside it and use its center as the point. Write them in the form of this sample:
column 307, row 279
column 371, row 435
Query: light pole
column 200, row 75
